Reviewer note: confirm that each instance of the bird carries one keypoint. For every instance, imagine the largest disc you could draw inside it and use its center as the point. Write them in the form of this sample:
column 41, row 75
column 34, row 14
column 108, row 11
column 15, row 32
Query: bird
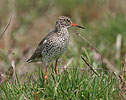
column 54, row 44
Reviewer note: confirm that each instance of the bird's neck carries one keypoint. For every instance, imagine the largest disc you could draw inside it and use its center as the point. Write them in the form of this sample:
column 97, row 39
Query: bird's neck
column 61, row 31
column 59, row 28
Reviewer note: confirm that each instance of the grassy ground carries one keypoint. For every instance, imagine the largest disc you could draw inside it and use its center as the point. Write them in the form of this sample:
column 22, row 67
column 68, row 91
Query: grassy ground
column 105, row 28
column 72, row 84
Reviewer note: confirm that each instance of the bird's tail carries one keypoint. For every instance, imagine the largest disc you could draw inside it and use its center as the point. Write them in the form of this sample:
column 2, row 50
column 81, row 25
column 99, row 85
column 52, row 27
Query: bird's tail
column 29, row 60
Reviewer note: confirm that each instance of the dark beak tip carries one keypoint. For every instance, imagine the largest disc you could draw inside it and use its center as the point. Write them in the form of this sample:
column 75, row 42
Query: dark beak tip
column 80, row 27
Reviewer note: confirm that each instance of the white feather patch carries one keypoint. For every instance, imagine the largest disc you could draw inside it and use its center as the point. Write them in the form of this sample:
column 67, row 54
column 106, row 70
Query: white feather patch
column 44, row 41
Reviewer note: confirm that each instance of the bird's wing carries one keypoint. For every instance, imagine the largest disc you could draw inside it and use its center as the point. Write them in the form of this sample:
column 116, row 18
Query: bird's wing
column 38, row 51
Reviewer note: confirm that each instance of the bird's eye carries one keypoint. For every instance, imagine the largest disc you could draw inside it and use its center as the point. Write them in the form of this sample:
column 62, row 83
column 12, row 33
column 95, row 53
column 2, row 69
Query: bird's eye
column 68, row 20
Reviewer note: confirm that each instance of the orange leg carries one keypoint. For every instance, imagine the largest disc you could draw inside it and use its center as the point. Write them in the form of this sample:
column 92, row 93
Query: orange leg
column 45, row 75
column 56, row 67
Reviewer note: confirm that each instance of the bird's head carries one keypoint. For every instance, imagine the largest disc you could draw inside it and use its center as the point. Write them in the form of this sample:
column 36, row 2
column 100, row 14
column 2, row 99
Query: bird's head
column 65, row 22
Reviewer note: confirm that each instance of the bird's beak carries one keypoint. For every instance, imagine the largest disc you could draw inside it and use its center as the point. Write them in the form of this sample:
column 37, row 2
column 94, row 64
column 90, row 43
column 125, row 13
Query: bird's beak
column 77, row 25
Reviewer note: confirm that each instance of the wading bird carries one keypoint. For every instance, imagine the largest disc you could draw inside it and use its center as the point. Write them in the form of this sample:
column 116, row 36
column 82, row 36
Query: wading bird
column 54, row 44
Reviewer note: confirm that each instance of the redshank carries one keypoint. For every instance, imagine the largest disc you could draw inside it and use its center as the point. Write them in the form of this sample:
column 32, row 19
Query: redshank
column 54, row 44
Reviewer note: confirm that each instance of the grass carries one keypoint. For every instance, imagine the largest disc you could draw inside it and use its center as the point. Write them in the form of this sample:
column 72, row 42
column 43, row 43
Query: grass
column 72, row 84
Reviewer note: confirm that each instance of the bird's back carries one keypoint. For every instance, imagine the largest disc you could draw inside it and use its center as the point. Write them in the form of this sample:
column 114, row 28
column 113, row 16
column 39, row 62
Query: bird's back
column 37, row 56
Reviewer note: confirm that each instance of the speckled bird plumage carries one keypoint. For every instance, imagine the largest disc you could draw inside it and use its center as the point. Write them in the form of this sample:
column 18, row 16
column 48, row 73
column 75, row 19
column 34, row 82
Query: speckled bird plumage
column 54, row 44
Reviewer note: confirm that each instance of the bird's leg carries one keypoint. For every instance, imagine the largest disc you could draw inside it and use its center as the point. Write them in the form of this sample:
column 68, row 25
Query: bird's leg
column 45, row 74
column 56, row 67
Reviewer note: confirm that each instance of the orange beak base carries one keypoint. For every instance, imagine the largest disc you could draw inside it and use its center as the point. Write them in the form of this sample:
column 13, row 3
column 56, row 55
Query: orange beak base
column 77, row 25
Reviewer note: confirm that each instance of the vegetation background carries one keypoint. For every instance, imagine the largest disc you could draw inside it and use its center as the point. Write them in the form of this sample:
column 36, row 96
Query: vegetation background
column 105, row 28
